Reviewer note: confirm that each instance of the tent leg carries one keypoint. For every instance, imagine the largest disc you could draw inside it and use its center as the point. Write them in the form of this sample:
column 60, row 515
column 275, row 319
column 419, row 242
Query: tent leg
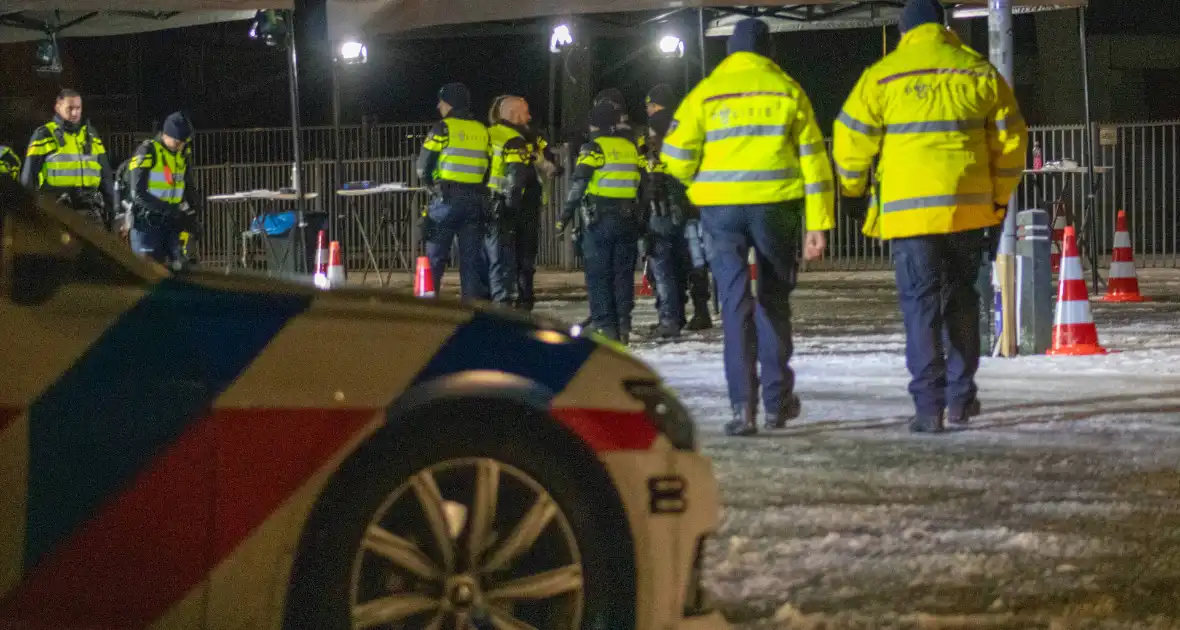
column 1091, row 157
column 338, row 142
column 298, row 231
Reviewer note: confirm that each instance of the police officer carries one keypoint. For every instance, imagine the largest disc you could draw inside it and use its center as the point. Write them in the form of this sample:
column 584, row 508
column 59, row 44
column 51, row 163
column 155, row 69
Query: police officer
column 454, row 164
column 746, row 143
column 9, row 163
column 951, row 141
column 603, row 189
column 693, row 266
column 665, row 202
column 514, row 233
column 158, row 171
column 67, row 159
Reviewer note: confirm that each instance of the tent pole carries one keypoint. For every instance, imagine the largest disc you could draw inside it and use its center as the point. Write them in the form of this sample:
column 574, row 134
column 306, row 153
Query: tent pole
column 1000, row 53
column 338, row 140
column 701, row 41
column 1091, row 156
column 297, row 146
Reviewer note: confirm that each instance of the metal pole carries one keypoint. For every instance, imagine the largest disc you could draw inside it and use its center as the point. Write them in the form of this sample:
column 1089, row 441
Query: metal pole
column 338, row 141
column 1000, row 52
column 297, row 146
column 701, row 42
column 554, row 60
column 1091, row 157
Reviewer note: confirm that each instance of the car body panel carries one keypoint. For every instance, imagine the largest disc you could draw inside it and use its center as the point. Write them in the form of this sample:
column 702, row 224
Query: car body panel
column 177, row 497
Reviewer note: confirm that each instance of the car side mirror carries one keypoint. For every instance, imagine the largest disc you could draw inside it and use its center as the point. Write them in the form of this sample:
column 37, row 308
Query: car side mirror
column 37, row 277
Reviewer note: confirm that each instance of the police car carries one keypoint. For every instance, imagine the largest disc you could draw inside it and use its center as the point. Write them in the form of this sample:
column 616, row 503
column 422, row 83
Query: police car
column 224, row 451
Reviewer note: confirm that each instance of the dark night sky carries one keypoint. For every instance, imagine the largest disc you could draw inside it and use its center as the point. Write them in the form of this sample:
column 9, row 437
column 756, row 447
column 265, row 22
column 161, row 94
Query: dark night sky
column 226, row 80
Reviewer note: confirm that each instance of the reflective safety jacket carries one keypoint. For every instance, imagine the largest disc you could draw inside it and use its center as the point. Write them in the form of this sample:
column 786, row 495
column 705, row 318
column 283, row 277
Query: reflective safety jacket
column 514, row 156
column 607, row 168
column 458, row 150
column 9, row 163
column 747, row 135
column 157, row 178
column 60, row 161
column 949, row 133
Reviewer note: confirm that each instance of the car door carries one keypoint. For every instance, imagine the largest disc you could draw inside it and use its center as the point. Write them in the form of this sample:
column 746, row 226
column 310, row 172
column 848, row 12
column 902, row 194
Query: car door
column 106, row 499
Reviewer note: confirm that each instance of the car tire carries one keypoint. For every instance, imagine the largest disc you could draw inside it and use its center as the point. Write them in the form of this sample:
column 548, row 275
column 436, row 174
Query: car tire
column 344, row 571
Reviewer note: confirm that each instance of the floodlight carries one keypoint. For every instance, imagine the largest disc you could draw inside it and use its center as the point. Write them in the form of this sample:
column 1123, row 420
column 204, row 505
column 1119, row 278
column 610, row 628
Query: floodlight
column 671, row 46
column 353, row 52
column 561, row 38
column 48, row 58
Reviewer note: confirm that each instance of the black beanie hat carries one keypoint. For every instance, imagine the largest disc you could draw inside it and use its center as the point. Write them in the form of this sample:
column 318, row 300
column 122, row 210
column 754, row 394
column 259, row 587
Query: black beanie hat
column 604, row 115
column 919, row 12
column 455, row 95
column 662, row 95
column 177, row 126
column 750, row 35
column 613, row 96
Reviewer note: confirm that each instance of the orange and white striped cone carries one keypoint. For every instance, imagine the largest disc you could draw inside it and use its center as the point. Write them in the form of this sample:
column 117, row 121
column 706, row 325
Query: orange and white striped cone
column 1058, row 238
column 1122, row 285
column 644, row 289
column 335, row 267
column 321, row 260
column 423, row 279
column 1074, row 332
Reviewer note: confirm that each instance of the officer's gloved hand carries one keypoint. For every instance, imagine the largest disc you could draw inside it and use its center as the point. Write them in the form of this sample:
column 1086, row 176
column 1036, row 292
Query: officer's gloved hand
column 560, row 227
column 855, row 208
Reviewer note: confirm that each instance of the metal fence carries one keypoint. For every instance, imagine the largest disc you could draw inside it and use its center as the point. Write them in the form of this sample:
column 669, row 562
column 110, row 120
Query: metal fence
column 1143, row 181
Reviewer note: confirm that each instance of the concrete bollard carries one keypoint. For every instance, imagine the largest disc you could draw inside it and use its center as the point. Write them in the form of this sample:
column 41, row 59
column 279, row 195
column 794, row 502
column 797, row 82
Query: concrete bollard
column 1034, row 279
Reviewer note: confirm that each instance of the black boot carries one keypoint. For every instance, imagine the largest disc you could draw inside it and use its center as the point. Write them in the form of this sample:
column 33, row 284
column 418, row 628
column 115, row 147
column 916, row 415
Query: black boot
column 788, row 410
column 666, row 330
column 961, row 418
column 700, row 320
column 744, row 421
column 927, row 424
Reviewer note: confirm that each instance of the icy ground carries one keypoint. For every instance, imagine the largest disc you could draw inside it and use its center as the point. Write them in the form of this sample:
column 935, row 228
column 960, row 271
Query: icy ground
column 1059, row 508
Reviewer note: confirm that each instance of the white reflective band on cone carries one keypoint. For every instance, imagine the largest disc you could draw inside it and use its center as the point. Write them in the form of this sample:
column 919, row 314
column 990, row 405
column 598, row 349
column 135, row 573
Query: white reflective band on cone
column 1073, row 313
column 1122, row 270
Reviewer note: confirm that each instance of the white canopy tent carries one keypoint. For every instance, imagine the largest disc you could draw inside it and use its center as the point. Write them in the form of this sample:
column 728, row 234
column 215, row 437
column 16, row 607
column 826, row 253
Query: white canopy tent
column 28, row 20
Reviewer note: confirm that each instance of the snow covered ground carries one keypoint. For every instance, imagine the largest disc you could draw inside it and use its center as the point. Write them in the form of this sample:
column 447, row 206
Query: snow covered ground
column 1058, row 508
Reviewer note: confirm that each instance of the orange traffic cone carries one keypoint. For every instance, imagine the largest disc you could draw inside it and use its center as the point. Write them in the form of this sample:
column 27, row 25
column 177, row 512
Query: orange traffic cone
column 1058, row 238
column 1122, row 285
column 1074, row 332
column 321, row 260
column 423, row 278
column 644, row 289
column 335, row 267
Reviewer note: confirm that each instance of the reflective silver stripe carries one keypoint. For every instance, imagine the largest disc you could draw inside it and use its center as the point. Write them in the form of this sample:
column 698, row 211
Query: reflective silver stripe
column 157, row 177
column 747, row 176
column 937, row 201
column 619, row 168
column 811, row 149
column 463, row 168
column 847, row 174
column 167, row 195
column 618, row 183
column 745, row 131
column 1009, row 172
column 857, row 125
column 936, row 125
column 71, row 157
column 1002, row 124
column 83, row 172
column 677, row 153
column 815, row 189
column 468, row 153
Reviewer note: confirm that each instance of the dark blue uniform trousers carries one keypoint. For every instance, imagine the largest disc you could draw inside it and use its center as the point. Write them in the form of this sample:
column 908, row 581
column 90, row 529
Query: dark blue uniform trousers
column 511, row 244
column 161, row 244
column 668, row 257
column 609, row 250
column 940, row 305
column 459, row 215
column 756, row 333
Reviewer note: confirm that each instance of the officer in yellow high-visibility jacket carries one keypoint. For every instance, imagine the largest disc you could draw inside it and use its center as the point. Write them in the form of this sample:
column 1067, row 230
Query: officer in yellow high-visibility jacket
column 747, row 144
column 158, row 172
column 951, row 142
column 9, row 163
column 68, row 160
column 454, row 164
column 603, row 189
